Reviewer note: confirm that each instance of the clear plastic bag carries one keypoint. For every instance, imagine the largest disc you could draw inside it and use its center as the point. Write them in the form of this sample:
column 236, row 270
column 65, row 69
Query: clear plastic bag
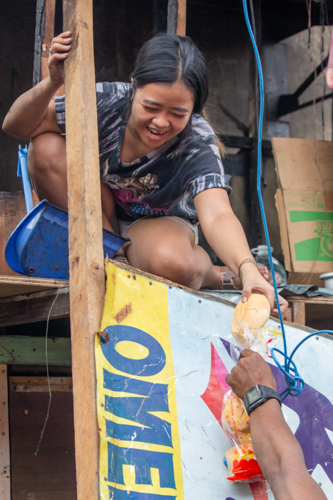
column 239, row 459
column 259, row 340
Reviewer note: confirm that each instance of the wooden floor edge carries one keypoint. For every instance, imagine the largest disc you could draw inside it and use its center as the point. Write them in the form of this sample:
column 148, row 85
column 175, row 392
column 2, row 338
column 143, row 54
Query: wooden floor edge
column 169, row 283
column 27, row 280
column 204, row 295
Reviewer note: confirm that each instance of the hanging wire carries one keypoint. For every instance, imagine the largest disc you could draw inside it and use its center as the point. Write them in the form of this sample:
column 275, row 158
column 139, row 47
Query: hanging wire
column 47, row 374
column 295, row 383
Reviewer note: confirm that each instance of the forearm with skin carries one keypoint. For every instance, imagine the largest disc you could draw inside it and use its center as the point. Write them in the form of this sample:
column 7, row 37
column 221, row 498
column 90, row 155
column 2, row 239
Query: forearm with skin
column 29, row 110
column 232, row 236
column 280, row 455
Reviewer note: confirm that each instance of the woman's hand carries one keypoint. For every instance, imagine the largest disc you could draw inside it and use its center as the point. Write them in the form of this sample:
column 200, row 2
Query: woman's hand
column 254, row 282
column 60, row 47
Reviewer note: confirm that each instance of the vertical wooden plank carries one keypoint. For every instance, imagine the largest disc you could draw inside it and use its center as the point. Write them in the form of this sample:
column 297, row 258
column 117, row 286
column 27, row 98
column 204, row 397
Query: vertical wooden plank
column 45, row 12
column 177, row 17
column 48, row 35
column 49, row 29
column 181, row 18
column 85, row 238
column 256, row 229
column 298, row 312
column 287, row 316
column 4, row 436
column 50, row 6
column 39, row 35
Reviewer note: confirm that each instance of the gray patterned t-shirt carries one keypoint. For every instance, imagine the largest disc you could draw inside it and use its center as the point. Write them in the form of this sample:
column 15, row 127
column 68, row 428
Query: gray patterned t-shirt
column 166, row 180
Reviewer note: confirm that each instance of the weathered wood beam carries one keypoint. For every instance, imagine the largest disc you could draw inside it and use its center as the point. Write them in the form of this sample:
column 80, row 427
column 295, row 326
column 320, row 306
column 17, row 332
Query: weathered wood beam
column 39, row 35
column 4, row 436
column 24, row 350
column 256, row 233
column 298, row 309
column 40, row 384
column 44, row 32
column 177, row 17
column 49, row 14
column 34, row 307
column 19, row 285
column 86, row 262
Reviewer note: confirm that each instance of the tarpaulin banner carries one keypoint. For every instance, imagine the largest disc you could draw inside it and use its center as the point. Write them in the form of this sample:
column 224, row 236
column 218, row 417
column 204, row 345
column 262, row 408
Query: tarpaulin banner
column 161, row 364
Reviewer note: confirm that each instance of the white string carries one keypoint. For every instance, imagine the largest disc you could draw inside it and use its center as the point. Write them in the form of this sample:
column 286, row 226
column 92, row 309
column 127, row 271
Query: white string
column 47, row 374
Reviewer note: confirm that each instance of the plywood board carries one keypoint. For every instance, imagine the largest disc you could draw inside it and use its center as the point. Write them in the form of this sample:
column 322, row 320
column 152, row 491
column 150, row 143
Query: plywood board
column 34, row 307
column 40, row 384
column 18, row 285
column 24, row 350
column 49, row 475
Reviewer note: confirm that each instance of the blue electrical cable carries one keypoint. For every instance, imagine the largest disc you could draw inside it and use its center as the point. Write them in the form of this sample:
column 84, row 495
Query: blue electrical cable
column 295, row 383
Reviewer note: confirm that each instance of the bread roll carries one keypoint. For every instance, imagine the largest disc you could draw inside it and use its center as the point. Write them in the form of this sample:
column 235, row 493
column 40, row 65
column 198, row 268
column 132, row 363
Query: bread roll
column 249, row 317
column 238, row 453
column 235, row 419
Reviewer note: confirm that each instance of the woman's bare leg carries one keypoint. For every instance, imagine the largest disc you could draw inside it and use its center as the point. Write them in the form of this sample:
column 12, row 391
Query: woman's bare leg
column 48, row 168
column 165, row 247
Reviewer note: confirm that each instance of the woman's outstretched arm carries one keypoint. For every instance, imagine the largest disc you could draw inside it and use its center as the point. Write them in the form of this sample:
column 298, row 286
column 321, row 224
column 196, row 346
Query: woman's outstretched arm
column 33, row 113
column 226, row 236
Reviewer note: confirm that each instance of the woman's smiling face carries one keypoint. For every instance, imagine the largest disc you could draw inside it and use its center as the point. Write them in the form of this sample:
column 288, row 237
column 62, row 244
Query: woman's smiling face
column 160, row 111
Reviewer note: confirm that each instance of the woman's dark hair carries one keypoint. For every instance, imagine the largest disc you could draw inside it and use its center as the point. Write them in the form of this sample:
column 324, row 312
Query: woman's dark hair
column 169, row 58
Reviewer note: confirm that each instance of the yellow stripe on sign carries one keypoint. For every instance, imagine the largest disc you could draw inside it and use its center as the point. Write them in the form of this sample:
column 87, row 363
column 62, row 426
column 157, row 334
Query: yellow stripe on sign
column 136, row 392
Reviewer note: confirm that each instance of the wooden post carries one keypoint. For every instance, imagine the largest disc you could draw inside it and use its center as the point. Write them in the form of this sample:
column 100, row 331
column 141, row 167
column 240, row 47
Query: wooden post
column 86, row 262
column 255, row 237
column 48, row 35
column 39, row 35
column 177, row 17
column 4, row 436
column 298, row 309
column 45, row 15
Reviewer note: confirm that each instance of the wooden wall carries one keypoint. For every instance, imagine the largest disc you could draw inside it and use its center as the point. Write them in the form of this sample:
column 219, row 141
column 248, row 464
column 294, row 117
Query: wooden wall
column 49, row 475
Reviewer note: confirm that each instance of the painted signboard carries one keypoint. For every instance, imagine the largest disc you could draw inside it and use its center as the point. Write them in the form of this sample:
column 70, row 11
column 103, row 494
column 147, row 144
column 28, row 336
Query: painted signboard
column 160, row 383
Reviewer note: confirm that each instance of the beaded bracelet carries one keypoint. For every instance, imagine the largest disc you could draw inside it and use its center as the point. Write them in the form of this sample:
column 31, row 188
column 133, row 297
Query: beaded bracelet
column 244, row 262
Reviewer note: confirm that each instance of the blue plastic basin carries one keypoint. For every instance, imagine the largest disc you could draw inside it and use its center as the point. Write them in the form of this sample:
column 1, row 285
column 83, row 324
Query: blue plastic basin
column 38, row 247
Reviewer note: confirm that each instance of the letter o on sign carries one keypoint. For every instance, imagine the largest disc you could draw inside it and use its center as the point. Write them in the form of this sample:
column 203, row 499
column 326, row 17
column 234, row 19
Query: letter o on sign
column 146, row 367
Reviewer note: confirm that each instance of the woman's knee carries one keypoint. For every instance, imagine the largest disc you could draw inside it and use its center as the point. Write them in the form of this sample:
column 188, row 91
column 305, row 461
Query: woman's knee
column 173, row 264
column 47, row 154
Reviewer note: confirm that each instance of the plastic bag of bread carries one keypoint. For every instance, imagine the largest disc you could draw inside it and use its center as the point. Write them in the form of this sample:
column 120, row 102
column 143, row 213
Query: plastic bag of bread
column 242, row 464
column 239, row 459
column 249, row 318
column 247, row 328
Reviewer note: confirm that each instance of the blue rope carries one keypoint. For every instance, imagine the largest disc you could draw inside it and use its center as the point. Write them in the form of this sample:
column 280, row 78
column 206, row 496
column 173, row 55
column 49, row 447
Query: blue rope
column 295, row 383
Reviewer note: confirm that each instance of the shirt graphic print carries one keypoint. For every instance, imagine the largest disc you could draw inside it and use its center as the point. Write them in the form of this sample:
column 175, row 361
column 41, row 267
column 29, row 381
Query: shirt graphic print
column 165, row 181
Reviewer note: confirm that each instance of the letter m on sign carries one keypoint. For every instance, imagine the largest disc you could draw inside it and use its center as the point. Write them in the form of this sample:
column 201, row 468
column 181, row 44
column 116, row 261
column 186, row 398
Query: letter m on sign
column 147, row 428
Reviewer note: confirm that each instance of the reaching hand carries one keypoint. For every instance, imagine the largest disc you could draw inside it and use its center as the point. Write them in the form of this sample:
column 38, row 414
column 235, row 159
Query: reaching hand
column 254, row 282
column 251, row 370
column 60, row 47
column 263, row 270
